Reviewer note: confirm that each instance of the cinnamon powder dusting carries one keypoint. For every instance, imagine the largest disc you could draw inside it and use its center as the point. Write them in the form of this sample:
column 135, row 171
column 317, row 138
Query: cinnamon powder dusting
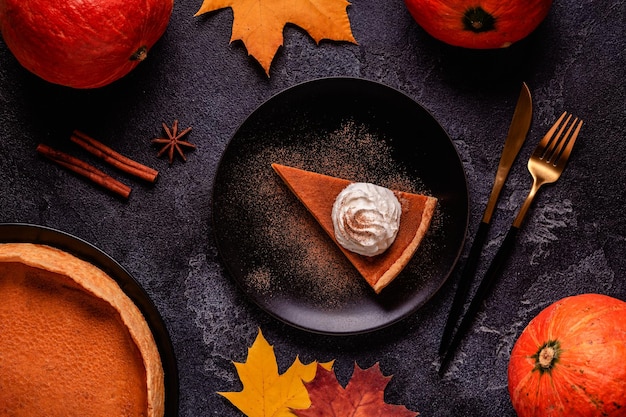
column 292, row 253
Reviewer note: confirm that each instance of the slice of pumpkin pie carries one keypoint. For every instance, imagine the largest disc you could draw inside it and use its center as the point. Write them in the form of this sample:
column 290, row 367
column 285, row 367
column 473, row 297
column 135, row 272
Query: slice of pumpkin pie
column 72, row 342
column 377, row 229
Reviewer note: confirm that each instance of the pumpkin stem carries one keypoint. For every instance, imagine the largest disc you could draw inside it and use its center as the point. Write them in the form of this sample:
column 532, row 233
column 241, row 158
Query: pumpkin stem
column 140, row 54
column 477, row 20
column 547, row 356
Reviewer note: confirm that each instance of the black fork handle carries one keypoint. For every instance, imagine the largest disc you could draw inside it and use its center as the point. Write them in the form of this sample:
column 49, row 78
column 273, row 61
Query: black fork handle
column 494, row 270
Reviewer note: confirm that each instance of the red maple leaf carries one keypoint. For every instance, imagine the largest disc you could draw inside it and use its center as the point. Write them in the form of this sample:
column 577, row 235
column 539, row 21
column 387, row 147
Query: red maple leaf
column 362, row 397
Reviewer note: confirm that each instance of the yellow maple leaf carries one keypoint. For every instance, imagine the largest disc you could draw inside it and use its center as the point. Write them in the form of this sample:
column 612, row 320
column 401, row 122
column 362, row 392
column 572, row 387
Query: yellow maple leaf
column 266, row 393
column 259, row 23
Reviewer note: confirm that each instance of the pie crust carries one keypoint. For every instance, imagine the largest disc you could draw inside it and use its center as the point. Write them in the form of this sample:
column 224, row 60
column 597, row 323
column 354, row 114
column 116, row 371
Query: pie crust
column 72, row 342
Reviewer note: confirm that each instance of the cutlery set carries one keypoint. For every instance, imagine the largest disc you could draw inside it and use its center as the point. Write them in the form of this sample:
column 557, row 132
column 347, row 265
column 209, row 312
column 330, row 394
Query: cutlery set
column 546, row 164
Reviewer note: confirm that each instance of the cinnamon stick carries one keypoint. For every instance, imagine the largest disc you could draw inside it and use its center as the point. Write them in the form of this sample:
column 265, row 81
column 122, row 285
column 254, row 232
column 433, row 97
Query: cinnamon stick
column 114, row 158
column 84, row 169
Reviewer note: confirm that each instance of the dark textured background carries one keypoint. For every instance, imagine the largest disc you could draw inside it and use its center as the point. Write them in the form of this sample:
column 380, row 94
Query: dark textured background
column 572, row 242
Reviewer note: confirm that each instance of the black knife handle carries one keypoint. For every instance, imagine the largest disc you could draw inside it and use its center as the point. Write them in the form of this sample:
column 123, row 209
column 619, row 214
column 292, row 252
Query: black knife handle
column 467, row 277
column 494, row 270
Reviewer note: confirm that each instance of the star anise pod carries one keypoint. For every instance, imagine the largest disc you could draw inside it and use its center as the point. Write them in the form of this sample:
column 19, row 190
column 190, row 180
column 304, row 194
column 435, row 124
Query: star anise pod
column 173, row 142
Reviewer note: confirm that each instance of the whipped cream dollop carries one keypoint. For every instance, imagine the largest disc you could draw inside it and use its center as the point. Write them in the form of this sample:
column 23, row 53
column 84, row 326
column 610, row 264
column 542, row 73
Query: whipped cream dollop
column 366, row 218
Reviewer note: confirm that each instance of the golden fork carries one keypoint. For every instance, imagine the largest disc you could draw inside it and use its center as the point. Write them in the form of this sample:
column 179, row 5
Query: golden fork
column 546, row 164
column 548, row 161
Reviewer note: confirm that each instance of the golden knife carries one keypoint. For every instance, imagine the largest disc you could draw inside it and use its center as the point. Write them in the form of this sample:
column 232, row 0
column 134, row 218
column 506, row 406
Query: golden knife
column 515, row 139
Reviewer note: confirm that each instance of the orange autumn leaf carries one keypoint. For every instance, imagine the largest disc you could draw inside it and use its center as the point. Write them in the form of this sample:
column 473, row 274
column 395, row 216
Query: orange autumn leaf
column 363, row 396
column 266, row 393
column 259, row 24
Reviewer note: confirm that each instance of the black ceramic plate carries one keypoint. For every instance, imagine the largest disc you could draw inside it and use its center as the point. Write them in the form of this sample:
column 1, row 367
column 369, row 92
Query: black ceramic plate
column 345, row 127
column 26, row 233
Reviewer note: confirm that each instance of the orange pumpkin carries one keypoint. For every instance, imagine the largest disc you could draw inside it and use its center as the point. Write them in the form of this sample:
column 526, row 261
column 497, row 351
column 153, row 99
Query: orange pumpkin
column 571, row 360
column 82, row 43
column 479, row 24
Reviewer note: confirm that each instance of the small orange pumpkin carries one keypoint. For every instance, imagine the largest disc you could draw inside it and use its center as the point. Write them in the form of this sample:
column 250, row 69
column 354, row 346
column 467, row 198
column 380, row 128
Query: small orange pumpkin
column 82, row 43
column 571, row 360
column 479, row 24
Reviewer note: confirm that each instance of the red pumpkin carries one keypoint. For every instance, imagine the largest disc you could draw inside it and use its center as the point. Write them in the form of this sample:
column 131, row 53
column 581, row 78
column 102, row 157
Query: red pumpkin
column 570, row 360
column 479, row 24
column 82, row 43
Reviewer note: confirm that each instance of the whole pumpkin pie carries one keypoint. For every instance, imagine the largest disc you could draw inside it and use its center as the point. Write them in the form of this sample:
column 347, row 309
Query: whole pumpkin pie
column 319, row 193
column 72, row 343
